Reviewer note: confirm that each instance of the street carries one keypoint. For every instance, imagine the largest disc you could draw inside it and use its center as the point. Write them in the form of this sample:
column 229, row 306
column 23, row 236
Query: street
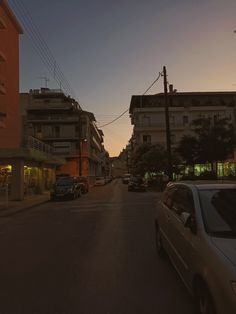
column 89, row 256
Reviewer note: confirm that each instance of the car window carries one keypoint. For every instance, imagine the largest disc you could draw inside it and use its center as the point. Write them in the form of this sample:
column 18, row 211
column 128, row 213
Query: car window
column 65, row 182
column 183, row 200
column 219, row 211
column 168, row 196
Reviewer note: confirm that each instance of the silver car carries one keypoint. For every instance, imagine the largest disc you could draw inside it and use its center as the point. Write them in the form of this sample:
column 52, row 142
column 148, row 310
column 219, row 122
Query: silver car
column 196, row 228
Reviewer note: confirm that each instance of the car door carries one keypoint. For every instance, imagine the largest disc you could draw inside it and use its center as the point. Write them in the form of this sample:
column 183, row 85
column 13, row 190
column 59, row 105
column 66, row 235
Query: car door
column 164, row 216
column 182, row 238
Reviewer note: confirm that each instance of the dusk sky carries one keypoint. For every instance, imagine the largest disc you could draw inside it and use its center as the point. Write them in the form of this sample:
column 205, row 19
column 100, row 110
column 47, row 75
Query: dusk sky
column 111, row 50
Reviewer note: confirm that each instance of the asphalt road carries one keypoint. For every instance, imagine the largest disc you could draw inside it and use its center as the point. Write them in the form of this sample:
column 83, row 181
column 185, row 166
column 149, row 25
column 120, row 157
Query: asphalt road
column 89, row 256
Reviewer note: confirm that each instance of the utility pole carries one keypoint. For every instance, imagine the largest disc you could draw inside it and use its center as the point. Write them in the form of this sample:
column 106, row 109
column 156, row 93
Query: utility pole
column 168, row 141
column 79, row 141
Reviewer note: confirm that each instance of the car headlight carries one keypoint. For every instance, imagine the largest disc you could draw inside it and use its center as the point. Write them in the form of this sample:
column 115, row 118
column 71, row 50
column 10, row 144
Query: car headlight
column 233, row 285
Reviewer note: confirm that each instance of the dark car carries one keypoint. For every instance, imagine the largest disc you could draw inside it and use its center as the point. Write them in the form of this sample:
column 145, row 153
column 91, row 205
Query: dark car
column 126, row 178
column 84, row 184
column 66, row 188
column 136, row 183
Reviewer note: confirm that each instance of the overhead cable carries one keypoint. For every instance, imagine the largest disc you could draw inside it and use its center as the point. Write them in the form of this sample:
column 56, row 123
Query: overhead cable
column 102, row 126
column 41, row 47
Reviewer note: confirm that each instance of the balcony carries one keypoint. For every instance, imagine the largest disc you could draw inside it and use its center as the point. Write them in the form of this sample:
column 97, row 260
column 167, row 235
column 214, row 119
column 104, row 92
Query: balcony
column 33, row 143
column 53, row 119
column 157, row 126
column 49, row 107
column 56, row 137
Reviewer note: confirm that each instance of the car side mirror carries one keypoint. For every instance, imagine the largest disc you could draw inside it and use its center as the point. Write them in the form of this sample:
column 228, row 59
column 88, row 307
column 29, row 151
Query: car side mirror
column 189, row 221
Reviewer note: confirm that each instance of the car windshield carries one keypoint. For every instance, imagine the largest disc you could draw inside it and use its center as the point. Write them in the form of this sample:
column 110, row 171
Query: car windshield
column 65, row 182
column 137, row 179
column 219, row 211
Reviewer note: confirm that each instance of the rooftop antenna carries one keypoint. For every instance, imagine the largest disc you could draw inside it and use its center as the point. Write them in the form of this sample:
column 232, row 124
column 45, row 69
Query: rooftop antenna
column 46, row 80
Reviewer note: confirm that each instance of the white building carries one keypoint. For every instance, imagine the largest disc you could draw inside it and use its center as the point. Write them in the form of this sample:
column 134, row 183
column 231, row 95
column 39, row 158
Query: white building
column 148, row 114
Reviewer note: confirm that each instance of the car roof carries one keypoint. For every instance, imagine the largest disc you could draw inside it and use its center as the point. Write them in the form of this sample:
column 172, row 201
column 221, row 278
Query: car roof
column 207, row 185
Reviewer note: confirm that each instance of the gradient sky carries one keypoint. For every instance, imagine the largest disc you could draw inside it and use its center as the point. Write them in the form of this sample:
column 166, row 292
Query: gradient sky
column 111, row 50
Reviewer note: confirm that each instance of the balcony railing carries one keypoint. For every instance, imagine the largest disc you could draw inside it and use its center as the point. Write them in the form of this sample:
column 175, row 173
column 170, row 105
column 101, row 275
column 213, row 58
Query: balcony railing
column 33, row 143
column 158, row 125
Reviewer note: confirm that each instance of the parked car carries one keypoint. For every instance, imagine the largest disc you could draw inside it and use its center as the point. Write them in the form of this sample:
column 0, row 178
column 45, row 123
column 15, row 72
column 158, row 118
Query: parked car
column 100, row 181
column 125, row 178
column 66, row 188
column 196, row 228
column 137, row 183
column 84, row 184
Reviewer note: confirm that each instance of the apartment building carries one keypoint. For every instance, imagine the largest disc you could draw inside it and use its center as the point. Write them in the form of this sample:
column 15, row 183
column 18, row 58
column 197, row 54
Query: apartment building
column 58, row 120
column 26, row 164
column 10, row 30
column 148, row 114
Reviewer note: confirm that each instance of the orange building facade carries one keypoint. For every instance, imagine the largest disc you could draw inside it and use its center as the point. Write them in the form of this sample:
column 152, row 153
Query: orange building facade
column 10, row 120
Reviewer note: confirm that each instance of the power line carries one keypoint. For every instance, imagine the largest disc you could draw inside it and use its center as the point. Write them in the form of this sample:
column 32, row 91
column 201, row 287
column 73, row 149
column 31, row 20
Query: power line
column 114, row 119
column 41, row 47
column 159, row 75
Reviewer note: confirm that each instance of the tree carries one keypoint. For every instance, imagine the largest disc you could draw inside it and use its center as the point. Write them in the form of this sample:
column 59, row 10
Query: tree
column 187, row 149
column 212, row 141
column 149, row 158
column 215, row 139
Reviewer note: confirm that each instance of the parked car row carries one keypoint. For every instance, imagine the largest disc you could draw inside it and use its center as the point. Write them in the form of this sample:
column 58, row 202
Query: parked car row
column 69, row 187
column 196, row 227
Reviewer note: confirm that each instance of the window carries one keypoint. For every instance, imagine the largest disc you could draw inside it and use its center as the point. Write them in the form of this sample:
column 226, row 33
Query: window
column 77, row 129
column 147, row 139
column 183, row 201
column 173, row 138
column 2, row 87
column 172, row 120
column 2, row 57
column 2, row 24
column 168, row 196
column 39, row 129
column 56, row 131
column 185, row 120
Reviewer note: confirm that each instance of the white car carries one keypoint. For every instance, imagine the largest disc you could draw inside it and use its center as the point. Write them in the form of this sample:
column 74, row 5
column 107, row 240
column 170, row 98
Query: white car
column 196, row 227
column 100, row 181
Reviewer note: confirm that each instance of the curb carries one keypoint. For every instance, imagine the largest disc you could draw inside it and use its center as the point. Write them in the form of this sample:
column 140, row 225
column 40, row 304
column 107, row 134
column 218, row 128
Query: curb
column 15, row 210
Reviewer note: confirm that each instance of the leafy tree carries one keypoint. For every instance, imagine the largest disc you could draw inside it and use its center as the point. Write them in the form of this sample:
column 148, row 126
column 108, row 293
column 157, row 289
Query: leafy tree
column 148, row 158
column 211, row 142
column 215, row 139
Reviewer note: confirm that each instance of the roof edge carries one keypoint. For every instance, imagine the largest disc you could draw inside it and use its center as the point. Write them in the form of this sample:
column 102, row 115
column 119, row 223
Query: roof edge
column 11, row 15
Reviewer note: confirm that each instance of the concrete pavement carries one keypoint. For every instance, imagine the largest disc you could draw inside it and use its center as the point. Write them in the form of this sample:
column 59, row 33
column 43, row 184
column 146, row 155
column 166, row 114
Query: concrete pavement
column 18, row 206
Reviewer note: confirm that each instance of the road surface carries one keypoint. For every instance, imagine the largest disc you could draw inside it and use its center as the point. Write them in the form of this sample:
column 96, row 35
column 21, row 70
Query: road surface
column 94, row 255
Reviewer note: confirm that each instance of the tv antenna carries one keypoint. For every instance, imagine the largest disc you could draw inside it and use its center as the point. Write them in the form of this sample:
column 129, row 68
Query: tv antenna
column 46, row 80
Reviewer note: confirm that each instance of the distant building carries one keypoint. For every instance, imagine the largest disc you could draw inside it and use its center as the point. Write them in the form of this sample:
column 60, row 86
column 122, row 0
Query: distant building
column 148, row 117
column 118, row 167
column 148, row 114
column 56, row 119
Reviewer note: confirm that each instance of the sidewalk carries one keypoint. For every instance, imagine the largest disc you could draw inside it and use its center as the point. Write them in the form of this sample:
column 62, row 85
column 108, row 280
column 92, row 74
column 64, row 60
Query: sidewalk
column 18, row 206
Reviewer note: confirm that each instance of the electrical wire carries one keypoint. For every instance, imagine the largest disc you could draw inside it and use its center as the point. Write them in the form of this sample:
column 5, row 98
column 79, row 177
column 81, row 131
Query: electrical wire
column 121, row 115
column 41, row 47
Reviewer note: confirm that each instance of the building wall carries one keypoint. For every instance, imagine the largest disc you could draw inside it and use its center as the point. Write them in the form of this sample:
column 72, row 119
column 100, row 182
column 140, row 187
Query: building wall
column 149, row 122
column 10, row 134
